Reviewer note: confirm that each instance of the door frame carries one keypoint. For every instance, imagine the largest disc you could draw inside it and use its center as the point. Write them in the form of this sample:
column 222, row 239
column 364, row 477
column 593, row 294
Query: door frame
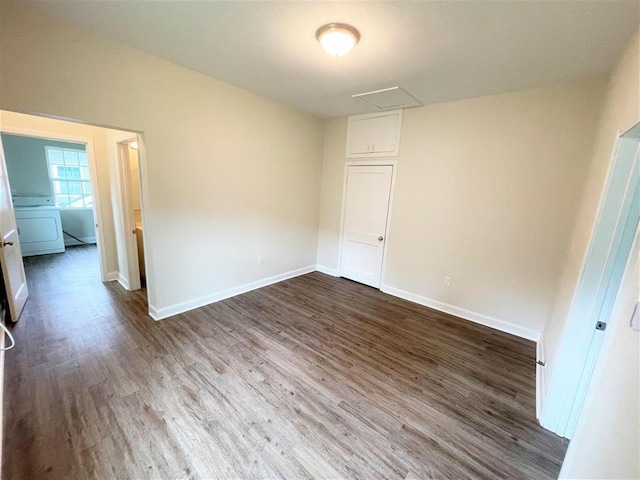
column 123, row 185
column 368, row 163
column 578, row 352
column 93, row 178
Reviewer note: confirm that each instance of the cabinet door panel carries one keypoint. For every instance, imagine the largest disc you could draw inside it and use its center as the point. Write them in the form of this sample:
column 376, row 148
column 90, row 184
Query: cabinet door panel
column 382, row 131
column 374, row 135
column 359, row 137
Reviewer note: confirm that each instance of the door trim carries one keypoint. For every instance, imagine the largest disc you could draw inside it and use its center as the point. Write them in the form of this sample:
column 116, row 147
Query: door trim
column 368, row 163
column 126, row 206
column 93, row 177
column 565, row 394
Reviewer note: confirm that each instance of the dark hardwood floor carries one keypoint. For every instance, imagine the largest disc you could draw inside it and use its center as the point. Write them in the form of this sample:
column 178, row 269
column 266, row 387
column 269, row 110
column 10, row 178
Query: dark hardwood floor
column 315, row 377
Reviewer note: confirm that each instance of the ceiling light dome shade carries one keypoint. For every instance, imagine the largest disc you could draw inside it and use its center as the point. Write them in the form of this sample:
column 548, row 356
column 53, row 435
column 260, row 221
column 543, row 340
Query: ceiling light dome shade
column 337, row 39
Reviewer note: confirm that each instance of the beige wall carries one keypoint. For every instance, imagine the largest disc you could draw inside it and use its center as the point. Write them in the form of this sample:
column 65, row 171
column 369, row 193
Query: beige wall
column 621, row 111
column 229, row 175
column 606, row 444
column 50, row 127
column 486, row 191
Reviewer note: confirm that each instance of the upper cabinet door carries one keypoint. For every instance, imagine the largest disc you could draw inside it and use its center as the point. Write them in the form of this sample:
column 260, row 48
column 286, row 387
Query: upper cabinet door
column 374, row 135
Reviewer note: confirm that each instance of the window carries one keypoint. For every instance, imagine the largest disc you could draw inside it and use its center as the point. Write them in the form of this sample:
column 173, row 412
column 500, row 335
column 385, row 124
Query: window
column 69, row 173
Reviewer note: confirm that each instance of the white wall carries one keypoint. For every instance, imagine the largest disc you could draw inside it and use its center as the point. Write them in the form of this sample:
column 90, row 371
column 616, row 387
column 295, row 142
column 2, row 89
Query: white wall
column 606, row 443
column 229, row 175
column 621, row 111
column 486, row 190
column 52, row 128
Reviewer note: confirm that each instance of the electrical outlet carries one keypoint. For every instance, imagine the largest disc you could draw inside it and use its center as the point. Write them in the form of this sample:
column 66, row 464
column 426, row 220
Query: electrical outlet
column 260, row 260
column 447, row 281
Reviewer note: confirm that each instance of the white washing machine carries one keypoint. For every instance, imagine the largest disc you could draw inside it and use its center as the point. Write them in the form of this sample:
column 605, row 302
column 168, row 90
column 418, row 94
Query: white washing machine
column 39, row 225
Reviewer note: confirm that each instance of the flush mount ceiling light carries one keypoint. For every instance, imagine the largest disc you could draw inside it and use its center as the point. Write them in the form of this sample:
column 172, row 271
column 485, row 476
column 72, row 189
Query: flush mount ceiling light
column 337, row 39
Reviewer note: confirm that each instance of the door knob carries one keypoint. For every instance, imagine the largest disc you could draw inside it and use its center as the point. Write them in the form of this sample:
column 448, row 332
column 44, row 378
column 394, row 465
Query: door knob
column 380, row 238
column 5, row 244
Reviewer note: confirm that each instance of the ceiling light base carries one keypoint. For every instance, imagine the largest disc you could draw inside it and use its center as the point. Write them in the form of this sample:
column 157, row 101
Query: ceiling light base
column 337, row 39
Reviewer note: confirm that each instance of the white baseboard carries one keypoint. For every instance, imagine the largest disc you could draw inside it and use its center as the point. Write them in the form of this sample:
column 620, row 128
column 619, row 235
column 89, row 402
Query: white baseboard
column 122, row 280
column 153, row 312
column 164, row 312
column 476, row 317
column 540, row 381
column 328, row 271
column 111, row 276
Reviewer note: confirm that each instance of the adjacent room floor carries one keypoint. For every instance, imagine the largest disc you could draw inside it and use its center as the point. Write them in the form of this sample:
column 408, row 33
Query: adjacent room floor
column 315, row 377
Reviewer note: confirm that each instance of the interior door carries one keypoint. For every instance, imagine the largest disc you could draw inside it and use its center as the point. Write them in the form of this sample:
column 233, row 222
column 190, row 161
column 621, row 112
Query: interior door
column 15, row 280
column 365, row 222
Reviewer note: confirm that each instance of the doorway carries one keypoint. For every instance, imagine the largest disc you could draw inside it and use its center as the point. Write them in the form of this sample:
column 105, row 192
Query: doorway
column 53, row 181
column 77, row 163
column 130, row 237
column 609, row 250
column 366, row 215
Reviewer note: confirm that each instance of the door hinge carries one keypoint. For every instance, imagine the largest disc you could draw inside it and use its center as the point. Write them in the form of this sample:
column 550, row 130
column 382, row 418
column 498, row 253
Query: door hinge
column 601, row 326
column 540, row 362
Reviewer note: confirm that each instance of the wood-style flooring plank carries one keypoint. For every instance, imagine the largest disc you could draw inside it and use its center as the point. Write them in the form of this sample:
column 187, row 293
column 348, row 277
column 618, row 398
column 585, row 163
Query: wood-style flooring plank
column 314, row 377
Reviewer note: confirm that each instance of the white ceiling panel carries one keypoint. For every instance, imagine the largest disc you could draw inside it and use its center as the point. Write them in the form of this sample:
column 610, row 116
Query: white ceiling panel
column 438, row 51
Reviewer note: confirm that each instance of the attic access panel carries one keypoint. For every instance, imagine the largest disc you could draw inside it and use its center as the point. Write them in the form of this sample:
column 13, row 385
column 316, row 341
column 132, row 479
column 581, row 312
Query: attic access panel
column 389, row 98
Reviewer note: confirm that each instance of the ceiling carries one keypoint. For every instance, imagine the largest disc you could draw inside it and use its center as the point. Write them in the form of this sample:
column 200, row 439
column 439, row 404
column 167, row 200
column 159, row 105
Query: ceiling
column 437, row 51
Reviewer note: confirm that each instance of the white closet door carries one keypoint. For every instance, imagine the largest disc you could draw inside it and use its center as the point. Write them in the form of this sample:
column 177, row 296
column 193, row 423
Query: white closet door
column 365, row 222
